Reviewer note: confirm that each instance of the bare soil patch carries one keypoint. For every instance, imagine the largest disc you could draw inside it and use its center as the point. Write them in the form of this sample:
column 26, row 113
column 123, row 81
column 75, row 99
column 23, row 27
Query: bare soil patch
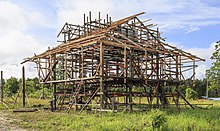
column 8, row 124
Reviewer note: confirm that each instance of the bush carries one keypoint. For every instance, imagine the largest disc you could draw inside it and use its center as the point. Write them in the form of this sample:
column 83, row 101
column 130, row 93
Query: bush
column 47, row 93
column 158, row 117
column 191, row 94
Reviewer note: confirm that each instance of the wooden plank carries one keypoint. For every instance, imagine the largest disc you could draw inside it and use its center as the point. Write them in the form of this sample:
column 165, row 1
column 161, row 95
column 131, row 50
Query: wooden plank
column 25, row 110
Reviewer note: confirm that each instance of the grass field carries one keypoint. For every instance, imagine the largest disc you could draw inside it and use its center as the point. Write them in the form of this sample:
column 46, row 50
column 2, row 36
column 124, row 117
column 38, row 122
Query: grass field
column 185, row 119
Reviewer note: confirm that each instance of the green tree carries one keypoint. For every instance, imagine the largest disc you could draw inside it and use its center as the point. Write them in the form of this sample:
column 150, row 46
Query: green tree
column 200, row 87
column 213, row 73
column 191, row 94
column 32, row 85
column 11, row 86
column 36, row 83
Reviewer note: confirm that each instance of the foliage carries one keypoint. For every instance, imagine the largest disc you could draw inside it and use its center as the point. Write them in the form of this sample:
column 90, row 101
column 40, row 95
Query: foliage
column 32, row 85
column 158, row 117
column 213, row 73
column 38, row 93
column 11, row 86
column 191, row 94
column 200, row 87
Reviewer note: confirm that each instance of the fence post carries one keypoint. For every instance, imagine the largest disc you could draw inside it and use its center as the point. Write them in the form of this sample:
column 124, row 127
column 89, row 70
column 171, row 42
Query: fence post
column 2, row 87
column 23, row 86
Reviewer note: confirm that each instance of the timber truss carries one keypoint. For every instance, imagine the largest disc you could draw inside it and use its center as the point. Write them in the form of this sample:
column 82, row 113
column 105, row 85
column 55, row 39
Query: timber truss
column 108, row 65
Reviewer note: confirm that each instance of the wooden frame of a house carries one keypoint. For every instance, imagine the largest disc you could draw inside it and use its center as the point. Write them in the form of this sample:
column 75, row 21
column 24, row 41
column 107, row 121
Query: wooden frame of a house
column 123, row 64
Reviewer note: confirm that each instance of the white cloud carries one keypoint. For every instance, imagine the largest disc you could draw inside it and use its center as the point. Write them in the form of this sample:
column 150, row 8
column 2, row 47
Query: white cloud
column 16, row 42
column 12, row 17
column 169, row 14
column 192, row 29
column 15, row 23
column 204, row 53
column 188, row 16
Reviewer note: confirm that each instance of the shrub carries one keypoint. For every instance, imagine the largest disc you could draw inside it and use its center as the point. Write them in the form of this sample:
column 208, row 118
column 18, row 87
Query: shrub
column 38, row 93
column 191, row 94
column 158, row 117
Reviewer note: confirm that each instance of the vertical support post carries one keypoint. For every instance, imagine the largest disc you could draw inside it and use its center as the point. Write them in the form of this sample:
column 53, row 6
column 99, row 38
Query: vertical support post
column 180, row 68
column 87, row 26
column 164, row 67
column 90, row 21
column 72, row 67
column 177, row 68
column 84, row 24
column 107, row 18
column 43, row 94
column 99, row 21
column 82, row 63
column 92, row 62
column 194, row 72
column 23, row 86
column 130, row 86
column 65, row 67
column 159, row 90
column 54, row 86
column 2, row 87
column 82, row 74
column 177, row 78
column 130, row 65
column 117, row 68
column 101, row 76
column 125, row 76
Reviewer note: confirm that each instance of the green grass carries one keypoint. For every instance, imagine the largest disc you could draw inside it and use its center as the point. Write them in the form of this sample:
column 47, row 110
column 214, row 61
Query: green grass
column 183, row 120
column 84, row 121
column 30, row 102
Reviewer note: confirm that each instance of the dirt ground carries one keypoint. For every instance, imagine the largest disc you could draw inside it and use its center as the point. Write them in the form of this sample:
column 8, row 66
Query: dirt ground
column 8, row 124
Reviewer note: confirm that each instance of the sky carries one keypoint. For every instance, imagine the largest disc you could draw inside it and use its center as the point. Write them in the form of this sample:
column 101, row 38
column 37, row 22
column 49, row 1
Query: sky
column 31, row 26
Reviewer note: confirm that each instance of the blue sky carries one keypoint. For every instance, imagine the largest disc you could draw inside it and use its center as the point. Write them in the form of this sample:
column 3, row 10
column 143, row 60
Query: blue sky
column 30, row 26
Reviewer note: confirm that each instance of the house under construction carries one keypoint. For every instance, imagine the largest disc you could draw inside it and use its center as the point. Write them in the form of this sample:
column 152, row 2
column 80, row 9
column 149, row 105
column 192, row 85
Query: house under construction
column 114, row 65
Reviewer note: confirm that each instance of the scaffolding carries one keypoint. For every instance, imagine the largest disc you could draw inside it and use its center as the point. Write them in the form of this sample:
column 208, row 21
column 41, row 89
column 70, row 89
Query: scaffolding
column 120, row 65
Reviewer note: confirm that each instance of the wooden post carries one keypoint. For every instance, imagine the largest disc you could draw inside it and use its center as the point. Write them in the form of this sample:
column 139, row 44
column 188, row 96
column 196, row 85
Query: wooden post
column 130, row 72
column 92, row 62
column 177, row 78
column 23, row 86
column 194, row 73
column 101, row 76
column 158, row 70
column 84, row 24
column 2, row 87
column 54, row 86
column 43, row 94
column 125, row 78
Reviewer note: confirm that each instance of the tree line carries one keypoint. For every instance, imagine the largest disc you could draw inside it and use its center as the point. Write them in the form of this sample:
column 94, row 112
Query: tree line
column 13, row 86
